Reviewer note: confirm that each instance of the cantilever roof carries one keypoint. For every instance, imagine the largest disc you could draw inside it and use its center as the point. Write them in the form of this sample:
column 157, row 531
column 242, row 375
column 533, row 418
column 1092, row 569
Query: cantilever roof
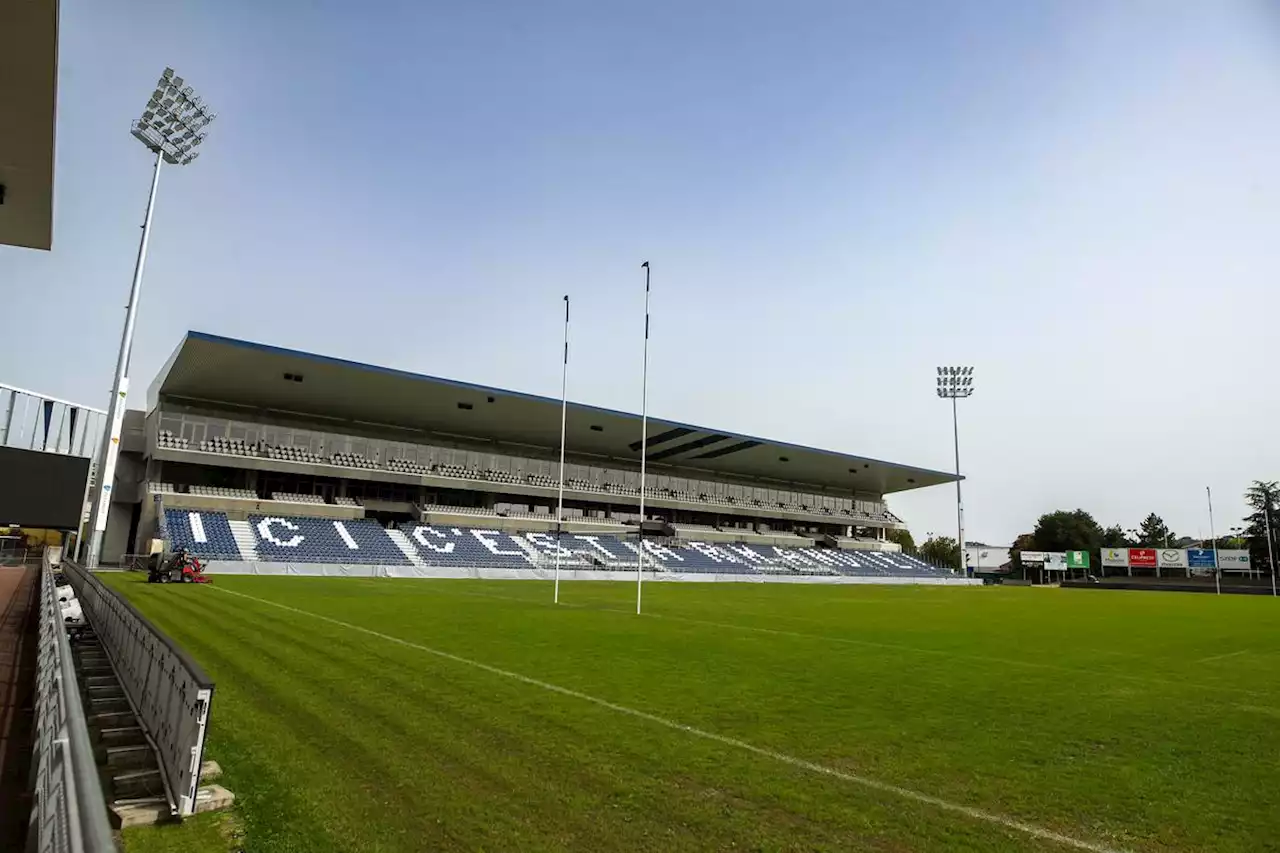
column 215, row 369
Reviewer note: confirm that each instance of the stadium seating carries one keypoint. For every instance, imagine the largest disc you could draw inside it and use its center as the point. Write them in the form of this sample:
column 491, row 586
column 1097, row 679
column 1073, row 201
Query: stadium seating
column 205, row 534
column 161, row 488
column 165, row 438
column 292, row 454
column 290, row 497
column 228, row 447
column 345, row 502
column 354, row 460
column 316, row 540
column 404, row 466
column 221, row 492
column 312, row 540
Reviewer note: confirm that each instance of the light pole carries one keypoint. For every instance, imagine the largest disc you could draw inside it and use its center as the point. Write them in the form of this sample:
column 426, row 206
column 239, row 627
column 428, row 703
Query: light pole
column 1271, row 555
column 172, row 127
column 955, row 383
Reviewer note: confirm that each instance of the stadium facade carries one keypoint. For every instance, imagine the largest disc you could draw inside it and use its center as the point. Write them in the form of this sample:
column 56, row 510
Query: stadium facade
column 259, row 454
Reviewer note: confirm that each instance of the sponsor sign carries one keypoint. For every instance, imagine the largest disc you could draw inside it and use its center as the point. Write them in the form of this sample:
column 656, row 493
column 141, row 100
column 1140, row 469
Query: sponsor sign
column 1200, row 558
column 1115, row 557
column 1233, row 561
column 1172, row 558
column 1077, row 559
column 1142, row 557
column 1033, row 556
column 1055, row 561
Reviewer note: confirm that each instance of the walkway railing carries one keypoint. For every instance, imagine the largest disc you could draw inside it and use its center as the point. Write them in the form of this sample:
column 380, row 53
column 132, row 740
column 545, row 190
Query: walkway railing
column 168, row 691
column 68, row 813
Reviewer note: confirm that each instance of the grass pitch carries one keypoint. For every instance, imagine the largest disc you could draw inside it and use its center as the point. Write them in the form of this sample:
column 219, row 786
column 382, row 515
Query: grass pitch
column 385, row 715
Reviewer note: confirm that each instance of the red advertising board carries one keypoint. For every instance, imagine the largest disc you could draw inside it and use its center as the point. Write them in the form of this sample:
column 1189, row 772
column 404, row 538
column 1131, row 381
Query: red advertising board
column 1142, row 557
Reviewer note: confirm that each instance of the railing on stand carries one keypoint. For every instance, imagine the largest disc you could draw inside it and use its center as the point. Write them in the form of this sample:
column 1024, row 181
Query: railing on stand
column 169, row 693
column 68, row 813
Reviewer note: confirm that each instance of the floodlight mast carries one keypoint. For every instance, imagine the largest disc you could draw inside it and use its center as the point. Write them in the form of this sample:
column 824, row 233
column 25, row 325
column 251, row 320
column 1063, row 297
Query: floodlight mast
column 171, row 127
column 955, row 383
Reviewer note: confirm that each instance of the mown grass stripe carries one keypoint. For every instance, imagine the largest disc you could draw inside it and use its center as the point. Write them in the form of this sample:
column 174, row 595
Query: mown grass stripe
column 1032, row 830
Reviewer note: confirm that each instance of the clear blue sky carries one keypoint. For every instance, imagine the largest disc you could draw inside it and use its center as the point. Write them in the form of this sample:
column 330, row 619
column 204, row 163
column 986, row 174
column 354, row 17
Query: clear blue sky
column 1080, row 198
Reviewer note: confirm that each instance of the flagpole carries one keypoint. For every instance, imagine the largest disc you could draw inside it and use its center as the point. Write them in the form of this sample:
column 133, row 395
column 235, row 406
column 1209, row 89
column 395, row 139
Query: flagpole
column 564, row 412
column 644, row 435
column 1217, row 565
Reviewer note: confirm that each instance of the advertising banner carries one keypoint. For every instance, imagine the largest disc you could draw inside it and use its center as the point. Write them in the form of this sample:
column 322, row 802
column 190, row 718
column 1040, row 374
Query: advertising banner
column 1200, row 558
column 1033, row 556
column 1172, row 558
column 1233, row 561
column 1077, row 559
column 1142, row 557
column 1055, row 561
column 1115, row 557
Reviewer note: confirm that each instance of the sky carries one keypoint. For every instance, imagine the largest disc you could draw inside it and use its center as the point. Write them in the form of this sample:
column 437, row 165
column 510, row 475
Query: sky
column 1078, row 198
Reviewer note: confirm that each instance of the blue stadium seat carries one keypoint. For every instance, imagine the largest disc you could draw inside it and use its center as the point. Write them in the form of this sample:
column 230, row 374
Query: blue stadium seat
column 324, row 540
column 205, row 534
column 318, row 540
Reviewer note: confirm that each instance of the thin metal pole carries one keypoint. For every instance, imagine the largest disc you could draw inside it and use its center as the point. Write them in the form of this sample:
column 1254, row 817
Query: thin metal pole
column 564, row 413
column 955, row 426
column 119, row 391
column 1217, row 564
column 644, row 435
column 1271, row 556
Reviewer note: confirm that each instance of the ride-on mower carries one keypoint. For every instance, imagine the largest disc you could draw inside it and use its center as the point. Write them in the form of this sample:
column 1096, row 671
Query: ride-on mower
column 178, row 567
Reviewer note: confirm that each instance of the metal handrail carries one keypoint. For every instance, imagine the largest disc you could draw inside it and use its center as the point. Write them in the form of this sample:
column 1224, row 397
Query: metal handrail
column 69, row 813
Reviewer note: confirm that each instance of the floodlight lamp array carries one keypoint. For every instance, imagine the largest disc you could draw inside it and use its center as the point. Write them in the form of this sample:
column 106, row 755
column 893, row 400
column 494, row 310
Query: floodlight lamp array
column 173, row 122
column 955, row 382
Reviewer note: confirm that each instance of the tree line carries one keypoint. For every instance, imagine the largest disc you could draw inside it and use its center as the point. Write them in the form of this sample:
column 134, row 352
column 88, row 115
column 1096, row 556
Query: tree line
column 1078, row 530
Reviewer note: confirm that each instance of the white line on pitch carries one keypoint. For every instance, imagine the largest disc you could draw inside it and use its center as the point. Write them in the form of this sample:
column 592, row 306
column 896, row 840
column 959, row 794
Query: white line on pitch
column 1223, row 657
column 872, row 784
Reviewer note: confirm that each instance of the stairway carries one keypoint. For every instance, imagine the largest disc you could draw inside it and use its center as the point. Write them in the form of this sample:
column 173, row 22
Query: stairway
column 243, row 534
column 403, row 543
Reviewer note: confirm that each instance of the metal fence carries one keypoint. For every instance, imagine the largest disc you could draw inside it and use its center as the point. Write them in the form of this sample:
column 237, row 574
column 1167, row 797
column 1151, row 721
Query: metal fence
column 68, row 813
column 167, row 690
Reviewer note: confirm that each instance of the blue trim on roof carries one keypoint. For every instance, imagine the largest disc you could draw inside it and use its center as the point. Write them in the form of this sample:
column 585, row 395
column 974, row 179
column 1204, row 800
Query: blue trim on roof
column 537, row 398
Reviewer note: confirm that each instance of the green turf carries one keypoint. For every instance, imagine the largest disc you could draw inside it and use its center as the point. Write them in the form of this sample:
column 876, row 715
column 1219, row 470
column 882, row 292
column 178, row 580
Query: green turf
column 1136, row 721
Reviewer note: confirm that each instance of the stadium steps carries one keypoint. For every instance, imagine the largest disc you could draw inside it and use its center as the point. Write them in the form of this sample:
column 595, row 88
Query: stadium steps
column 243, row 534
column 402, row 542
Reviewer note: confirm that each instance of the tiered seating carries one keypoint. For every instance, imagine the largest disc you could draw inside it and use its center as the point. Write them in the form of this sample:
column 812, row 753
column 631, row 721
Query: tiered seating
column 316, row 540
column 312, row 540
column 458, row 471
column 165, row 438
column 504, row 477
column 345, row 502
column 544, row 481
column 293, row 454
column 205, row 534
column 221, row 492
column 228, row 447
column 161, row 488
column 459, row 510
column 354, row 460
column 290, row 497
column 404, row 466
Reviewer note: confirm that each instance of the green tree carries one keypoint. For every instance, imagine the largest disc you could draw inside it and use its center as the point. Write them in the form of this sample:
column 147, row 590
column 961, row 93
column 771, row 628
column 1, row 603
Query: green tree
column 941, row 551
column 1115, row 537
column 904, row 539
column 1263, row 497
column 1068, row 530
column 1024, row 542
column 1154, row 533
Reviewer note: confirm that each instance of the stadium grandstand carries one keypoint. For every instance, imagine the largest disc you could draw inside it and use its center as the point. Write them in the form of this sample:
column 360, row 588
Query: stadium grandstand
column 267, row 460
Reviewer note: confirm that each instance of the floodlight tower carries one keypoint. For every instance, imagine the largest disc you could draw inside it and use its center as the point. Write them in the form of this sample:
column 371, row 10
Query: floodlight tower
column 172, row 127
column 955, row 383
